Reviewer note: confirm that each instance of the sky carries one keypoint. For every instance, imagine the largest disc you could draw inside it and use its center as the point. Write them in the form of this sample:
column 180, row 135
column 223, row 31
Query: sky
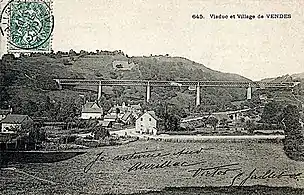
column 256, row 49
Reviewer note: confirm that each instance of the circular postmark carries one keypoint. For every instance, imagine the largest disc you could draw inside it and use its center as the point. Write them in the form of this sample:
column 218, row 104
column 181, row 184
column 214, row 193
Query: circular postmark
column 30, row 23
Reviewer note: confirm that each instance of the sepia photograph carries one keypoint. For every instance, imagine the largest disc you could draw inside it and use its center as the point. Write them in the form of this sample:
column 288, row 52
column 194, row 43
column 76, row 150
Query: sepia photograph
column 151, row 97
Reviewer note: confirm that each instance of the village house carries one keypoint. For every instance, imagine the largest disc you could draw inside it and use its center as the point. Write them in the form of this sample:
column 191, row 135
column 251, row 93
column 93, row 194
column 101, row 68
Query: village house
column 14, row 121
column 117, row 111
column 136, row 108
column 147, row 123
column 91, row 110
column 110, row 117
column 127, row 118
column 106, row 124
column 120, row 111
column 5, row 112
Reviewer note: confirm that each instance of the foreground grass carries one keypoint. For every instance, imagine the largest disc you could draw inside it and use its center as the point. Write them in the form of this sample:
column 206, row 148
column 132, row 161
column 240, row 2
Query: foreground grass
column 235, row 190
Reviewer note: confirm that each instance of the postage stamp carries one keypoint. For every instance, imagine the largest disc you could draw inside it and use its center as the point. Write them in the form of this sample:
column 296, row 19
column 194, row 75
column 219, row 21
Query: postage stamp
column 30, row 26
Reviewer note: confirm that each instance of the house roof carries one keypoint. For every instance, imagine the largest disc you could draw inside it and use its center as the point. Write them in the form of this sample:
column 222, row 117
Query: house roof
column 15, row 119
column 91, row 107
column 124, row 108
column 113, row 109
column 5, row 112
column 108, row 116
column 136, row 106
column 151, row 113
column 126, row 116
column 105, row 123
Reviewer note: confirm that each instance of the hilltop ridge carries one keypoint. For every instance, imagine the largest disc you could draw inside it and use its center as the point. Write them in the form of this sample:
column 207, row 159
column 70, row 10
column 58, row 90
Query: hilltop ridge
column 299, row 76
column 100, row 65
column 30, row 89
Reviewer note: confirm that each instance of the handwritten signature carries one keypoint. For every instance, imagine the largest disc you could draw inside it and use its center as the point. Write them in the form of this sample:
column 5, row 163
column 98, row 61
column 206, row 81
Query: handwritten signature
column 240, row 177
column 159, row 153
column 167, row 164
column 99, row 157
column 147, row 154
column 233, row 171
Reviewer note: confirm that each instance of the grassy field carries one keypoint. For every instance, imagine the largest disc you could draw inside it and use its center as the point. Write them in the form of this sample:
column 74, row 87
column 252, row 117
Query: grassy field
column 118, row 170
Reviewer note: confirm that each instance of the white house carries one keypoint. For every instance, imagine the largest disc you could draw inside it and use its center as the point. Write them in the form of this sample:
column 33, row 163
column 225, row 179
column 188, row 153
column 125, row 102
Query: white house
column 91, row 110
column 14, row 121
column 147, row 123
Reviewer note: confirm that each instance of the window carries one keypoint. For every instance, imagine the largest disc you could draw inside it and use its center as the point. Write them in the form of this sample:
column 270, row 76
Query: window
column 150, row 119
column 141, row 119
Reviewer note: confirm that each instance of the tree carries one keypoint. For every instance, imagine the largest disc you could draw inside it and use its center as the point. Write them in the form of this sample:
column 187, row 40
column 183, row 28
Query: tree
column 223, row 122
column 83, row 52
column 36, row 135
column 72, row 53
column 31, row 134
column 272, row 112
column 212, row 121
column 25, row 128
column 117, row 111
column 168, row 113
column 100, row 132
column 172, row 122
column 249, row 126
column 294, row 141
column 291, row 119
column 8, row 76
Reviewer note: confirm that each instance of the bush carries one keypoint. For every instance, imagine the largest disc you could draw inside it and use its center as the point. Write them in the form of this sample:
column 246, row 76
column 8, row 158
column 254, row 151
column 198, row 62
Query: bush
column 100, row 132
column 294, row 141
column 67, row 139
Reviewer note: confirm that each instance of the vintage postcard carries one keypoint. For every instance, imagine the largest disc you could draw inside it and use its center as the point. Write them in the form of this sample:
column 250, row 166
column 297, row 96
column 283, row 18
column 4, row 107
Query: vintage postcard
column 151, row 97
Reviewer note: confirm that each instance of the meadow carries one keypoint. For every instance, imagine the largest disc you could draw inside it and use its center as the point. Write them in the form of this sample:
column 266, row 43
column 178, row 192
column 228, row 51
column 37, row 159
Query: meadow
column 147, row 166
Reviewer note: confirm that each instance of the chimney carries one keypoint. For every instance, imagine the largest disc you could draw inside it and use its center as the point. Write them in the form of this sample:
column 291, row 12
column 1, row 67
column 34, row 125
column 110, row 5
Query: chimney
column 10, row 109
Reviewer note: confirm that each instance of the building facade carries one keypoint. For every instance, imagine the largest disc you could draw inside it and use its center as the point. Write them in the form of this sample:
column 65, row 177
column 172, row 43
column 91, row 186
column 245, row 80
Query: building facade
column 4, row 113
column 13, row 121
column 147, row 123
column 91, row 110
